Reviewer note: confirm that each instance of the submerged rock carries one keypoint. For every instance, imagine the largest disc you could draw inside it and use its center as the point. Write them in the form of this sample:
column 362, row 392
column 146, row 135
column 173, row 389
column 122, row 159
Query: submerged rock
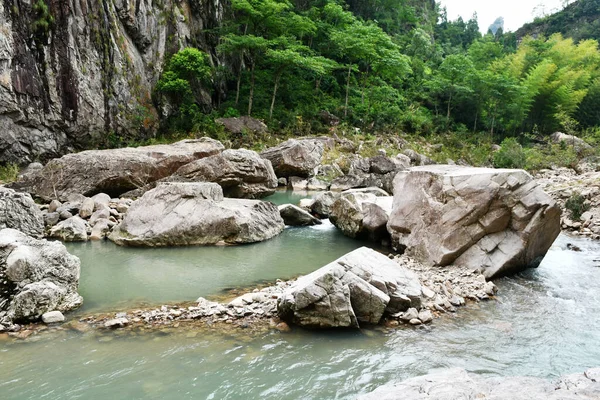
column 36, row 276
column 18, row 211
column 496, row 220
column 456, row 383
column 356, row 288
column 113, row 171
column 295, row 216
column 179, row 214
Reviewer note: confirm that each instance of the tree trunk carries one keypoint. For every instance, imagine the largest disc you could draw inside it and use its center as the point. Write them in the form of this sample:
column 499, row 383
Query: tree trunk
column 251, row 96
column 347, row 91
column 475, row 124
column 239, row 83
column 277, row 77
column 448, row 112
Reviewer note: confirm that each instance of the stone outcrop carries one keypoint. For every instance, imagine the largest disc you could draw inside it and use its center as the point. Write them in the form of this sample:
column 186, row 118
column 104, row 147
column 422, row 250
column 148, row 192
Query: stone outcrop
column 18, row 211
column 93, row 72
column 295, row 216
column 358, row 288
column 296, row 157
column 497, row 220
column 178, row 214
column 36, row 276
column 456, row 383
column 241, row 173
column 363, row 215
column 113, row 171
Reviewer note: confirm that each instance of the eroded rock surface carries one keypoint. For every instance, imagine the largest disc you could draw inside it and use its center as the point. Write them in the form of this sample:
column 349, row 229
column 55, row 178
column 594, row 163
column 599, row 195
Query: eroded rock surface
column 497, row 220
column 36, row 276
column 18, row 211
column 359, row 287
column 178, row 214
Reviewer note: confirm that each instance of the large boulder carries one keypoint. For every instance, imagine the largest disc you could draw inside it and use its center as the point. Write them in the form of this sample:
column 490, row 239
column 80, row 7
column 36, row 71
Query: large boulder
column 179, row 214
column 497, row 220
column 18, row 211
column 359, row 287
column 295, row 216
column 113, row 171
column 378, row 171
column 241, row 173
column 363, row 215
column 296, row 157
column 578, row 144
column 456, row 383
column 36, row 276
column 322, row 204
column 73, row 229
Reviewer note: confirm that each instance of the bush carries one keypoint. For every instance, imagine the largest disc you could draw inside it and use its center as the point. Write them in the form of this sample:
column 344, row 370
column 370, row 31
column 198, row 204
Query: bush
column 577, row 206
column 556, row 155
column 510, row 155
column 9, row 173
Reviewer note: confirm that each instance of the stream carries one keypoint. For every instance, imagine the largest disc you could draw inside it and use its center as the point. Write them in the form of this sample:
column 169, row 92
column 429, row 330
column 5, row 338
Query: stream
column 544, row 323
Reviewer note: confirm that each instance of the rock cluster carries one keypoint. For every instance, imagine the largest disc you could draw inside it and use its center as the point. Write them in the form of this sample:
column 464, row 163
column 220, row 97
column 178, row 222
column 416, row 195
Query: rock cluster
column 562, row 184
column 457, row 383
column 498, row 221
column 180, row 214
column 378, row 171
column 36, row 277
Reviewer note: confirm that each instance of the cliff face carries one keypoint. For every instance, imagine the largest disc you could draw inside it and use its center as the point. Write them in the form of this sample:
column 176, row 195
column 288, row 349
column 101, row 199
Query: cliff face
column 78, row 71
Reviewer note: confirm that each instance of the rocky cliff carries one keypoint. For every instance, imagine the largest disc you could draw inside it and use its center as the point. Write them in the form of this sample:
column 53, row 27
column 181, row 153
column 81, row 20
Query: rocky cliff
column 73, row 73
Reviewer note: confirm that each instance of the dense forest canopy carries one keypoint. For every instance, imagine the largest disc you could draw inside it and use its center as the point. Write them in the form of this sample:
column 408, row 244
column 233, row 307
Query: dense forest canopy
column 383, row 66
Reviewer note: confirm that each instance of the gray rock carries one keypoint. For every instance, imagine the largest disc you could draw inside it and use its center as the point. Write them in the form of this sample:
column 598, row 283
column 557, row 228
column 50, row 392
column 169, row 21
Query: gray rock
column 362, row 215
column 51, row 219
column 100, row 230
column 322, row 204
column 241, row 173
column 101, row 200
column 18, row 211
column 53, row 317
column 356, row 288
column 497, row 220
column 54, row 206
column 242, row 125
column 579, row 144
column 102, row 213
column 113, row 171
column 39, row 276
column 64, row 214
column 178, row 214
column 456, row 383
column 73, row 229
column 297, row 184
column 116, row 323
column 425, row 316
column 296, row 157
column 295, row 216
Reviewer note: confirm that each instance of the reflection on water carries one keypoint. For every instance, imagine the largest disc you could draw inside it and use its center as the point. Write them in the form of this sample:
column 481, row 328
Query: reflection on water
column 545, row 324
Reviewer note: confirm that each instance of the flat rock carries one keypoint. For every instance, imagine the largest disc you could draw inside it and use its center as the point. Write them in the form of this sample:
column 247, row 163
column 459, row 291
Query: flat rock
column 179, row 214
column 496, row 220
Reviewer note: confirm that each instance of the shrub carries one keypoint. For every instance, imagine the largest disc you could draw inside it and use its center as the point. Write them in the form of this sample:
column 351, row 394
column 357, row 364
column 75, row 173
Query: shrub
column 510, row 155
column 577, row 206
column 9, row 172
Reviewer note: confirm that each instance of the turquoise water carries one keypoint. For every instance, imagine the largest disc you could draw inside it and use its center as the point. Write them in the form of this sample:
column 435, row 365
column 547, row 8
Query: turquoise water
column 545, row 324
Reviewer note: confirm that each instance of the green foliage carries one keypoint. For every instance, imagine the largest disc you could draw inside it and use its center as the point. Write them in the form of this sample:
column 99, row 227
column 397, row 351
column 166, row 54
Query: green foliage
column 43, row 22
column 576, row 205
column 551, row 156
column 510, row 155
column 9, row 173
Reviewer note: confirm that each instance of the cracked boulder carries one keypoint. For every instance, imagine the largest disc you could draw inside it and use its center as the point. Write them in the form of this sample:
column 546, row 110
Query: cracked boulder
column 18, row 211
column 36, row 277
column 358, row 288
column 496, row 220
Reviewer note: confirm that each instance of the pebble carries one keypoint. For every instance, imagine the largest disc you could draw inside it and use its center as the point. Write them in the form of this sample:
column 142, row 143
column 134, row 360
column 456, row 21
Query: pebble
column 116, row 323
column 53, row 317
column 415, row 321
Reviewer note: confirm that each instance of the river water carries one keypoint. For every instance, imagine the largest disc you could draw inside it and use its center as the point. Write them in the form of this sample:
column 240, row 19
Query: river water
column 546, row 323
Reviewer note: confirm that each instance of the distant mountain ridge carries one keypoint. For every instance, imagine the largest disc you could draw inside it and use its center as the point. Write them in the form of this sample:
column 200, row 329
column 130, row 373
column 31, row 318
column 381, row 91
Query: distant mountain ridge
column 579, row 20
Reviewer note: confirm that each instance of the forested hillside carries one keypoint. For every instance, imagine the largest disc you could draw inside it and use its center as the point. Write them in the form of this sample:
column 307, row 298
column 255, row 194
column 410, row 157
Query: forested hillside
column 382, row 65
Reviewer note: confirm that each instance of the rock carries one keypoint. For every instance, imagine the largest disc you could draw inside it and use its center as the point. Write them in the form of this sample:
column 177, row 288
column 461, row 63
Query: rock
column 322, row 204
column 64, row 214
column 116, row 323
column 20, row 212
column 497, row 220
column 297, row 184
column 378, row 171
column 101, row 200
column 306, row 204
column 242, row 125
column 36, row 276
column 425, row 316
column 579, row 144
column 100, row 230
column 51, row 219
column 410, row 314
column 315, row 184
column 54, row 205
column 53, row 317
column 362, row 215
column 296, row 157
column 178, row 214
column 282, row 182
column 102, row 213
column 87, row 208
column 418, row 159
column 456, row 383
column 415, row 321
column 73, row 229
column 295, row 216
column 356, row 288
column 113, row 171
column 241, row 173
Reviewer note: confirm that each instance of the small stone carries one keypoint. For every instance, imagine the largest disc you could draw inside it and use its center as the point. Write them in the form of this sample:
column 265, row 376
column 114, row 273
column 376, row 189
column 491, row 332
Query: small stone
column 116, row 323
column 53, row 317
column 283, row 327
column 457, row 301
column 428, row 292
column 54, row 205
column 415, row 321
column 425, row 316
column 409, row 315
